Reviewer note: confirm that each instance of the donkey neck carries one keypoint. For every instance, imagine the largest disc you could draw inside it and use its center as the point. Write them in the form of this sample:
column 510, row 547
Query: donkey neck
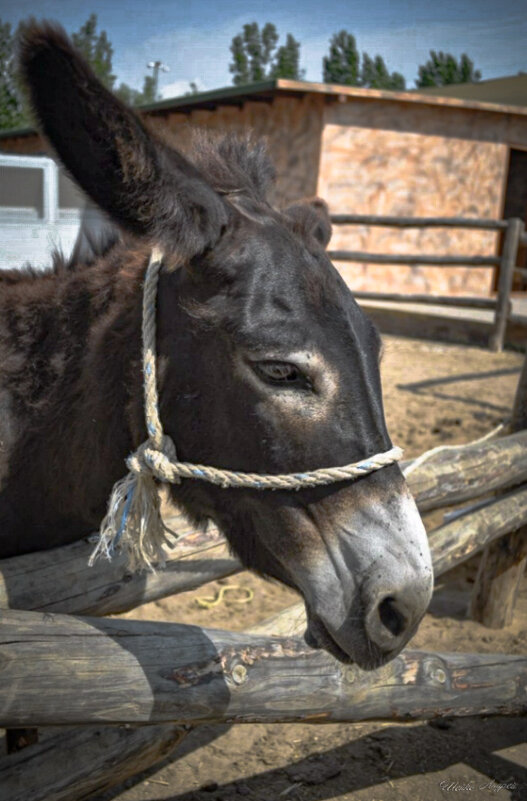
column 73, row 423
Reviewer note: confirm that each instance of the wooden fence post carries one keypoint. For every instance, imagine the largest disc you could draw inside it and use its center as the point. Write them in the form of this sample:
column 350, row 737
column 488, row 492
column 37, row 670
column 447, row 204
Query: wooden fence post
column 503, row 562
column 509, row 255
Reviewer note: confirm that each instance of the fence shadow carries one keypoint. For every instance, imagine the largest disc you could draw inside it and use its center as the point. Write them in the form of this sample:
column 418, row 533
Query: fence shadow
column 451, row 748
column 424, row 388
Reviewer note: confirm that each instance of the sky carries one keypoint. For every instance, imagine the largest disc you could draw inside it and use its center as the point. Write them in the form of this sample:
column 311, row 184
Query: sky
column 192, row 38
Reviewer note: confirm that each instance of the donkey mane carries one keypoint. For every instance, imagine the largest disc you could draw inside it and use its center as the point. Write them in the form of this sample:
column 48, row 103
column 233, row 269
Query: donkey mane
column 233, row 163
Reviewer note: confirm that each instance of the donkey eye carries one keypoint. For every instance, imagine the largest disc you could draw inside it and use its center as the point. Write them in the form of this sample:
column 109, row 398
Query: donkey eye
column 281, row 373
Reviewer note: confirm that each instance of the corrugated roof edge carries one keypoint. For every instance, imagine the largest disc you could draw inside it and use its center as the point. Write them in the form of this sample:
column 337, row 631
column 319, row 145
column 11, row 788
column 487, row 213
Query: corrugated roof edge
column 279, row 85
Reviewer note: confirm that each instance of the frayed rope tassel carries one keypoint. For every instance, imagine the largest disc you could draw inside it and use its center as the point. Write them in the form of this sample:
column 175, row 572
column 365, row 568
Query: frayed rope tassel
column 133, row 523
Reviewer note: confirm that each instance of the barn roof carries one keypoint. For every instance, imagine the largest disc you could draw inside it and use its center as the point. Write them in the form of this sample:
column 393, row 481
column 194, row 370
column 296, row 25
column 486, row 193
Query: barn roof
column 266, row 91
column 510, row 90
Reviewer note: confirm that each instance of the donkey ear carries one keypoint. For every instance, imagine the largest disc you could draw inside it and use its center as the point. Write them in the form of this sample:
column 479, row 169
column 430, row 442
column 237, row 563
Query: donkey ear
column 311, row 217
column 143, row 185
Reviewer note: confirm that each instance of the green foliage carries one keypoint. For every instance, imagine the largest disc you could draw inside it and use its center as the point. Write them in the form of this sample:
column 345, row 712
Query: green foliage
column 130, row 96
column 13, row 111
column 148, row 95
column 375, row 75
column 98, row 52
column 96, row 49
column 255, row 58
column 343, row 65
column 443, row 69
column 287, row 61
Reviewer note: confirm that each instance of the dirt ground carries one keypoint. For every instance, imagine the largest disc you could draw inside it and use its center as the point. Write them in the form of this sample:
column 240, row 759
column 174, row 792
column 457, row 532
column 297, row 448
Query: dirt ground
column 434, row 393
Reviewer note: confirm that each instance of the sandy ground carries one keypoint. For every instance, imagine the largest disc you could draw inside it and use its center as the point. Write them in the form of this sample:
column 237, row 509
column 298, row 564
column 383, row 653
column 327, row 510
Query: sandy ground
column 434, row 394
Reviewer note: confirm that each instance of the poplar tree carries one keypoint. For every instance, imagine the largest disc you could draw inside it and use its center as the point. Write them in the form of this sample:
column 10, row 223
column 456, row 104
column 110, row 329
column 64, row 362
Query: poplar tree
column 342, row 64
column 255, row 57
column 443, row 69
column 13, row 113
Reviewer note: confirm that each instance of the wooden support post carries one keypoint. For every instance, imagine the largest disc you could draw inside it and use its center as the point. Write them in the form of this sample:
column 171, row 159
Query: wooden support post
column 507, row 264
column 500, row 572
column 63, row 670
column 519, row 411
column 503, row 563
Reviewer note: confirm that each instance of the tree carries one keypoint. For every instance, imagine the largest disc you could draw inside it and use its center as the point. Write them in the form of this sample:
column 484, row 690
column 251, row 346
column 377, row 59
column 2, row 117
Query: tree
column 375, row 75
column 443, row 69
column 254, row 57
column 13, row 112
column 96, row 49
column 342, row 65
column 130, row 96
column 148, row 95
column 287, row 61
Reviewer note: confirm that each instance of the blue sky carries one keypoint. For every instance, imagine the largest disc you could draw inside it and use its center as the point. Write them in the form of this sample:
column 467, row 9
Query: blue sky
column 193, row 38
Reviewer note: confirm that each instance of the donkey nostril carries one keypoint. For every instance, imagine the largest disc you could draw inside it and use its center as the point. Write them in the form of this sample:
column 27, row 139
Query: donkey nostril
column 391, row 617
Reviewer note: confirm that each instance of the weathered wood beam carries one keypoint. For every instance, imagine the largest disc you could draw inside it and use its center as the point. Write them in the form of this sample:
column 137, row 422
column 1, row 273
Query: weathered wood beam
column 519, row 411
column 503, row 563
column 413, row 258
column 465, row 536
column 60, row 580
column 497, row 584
column 429, row 299
column 418, row 222
column 72, row 764
column 62, row 670
column 460, row 474
column 509, row 256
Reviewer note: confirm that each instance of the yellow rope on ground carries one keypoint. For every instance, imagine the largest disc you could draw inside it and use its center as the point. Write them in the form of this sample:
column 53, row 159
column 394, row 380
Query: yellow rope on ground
column 207, row 602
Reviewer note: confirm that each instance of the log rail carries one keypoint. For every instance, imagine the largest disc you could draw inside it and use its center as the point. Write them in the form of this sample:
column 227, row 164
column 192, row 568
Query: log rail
column 62, row 670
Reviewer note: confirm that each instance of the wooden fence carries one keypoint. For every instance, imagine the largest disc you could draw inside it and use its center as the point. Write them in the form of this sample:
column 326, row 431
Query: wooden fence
column 514, row 236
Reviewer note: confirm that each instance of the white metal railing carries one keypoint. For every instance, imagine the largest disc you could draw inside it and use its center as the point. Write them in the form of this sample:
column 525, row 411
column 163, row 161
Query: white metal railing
column 29, row 233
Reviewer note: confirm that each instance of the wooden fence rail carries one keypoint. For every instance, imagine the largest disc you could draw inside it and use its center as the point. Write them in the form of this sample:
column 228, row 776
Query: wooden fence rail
column 514, row 236
column 442, row 300
column 419, row 222
column 413, row 258
column 62, row 670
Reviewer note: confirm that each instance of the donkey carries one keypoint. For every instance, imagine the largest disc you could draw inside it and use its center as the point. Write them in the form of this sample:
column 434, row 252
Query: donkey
column 266, row 364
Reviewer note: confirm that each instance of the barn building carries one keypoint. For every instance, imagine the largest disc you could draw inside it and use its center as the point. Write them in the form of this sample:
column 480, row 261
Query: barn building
column 375, row 152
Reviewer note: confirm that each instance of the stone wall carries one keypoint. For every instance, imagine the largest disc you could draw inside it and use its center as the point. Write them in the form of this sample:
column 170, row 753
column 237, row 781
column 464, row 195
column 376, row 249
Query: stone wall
column 381, row 157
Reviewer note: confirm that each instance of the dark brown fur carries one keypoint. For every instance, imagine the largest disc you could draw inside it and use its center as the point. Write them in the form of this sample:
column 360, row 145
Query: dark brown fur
column 245, row 291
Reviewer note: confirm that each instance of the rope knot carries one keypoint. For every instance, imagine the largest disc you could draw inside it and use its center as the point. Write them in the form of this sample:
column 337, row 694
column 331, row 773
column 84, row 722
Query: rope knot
column 150, row 459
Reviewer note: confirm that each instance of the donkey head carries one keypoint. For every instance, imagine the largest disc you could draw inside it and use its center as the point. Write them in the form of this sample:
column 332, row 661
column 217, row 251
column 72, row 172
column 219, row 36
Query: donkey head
column 266, row 363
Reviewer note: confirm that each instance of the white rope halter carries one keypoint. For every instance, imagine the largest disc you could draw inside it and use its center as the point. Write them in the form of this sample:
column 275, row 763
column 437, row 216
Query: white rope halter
column 133, row 519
